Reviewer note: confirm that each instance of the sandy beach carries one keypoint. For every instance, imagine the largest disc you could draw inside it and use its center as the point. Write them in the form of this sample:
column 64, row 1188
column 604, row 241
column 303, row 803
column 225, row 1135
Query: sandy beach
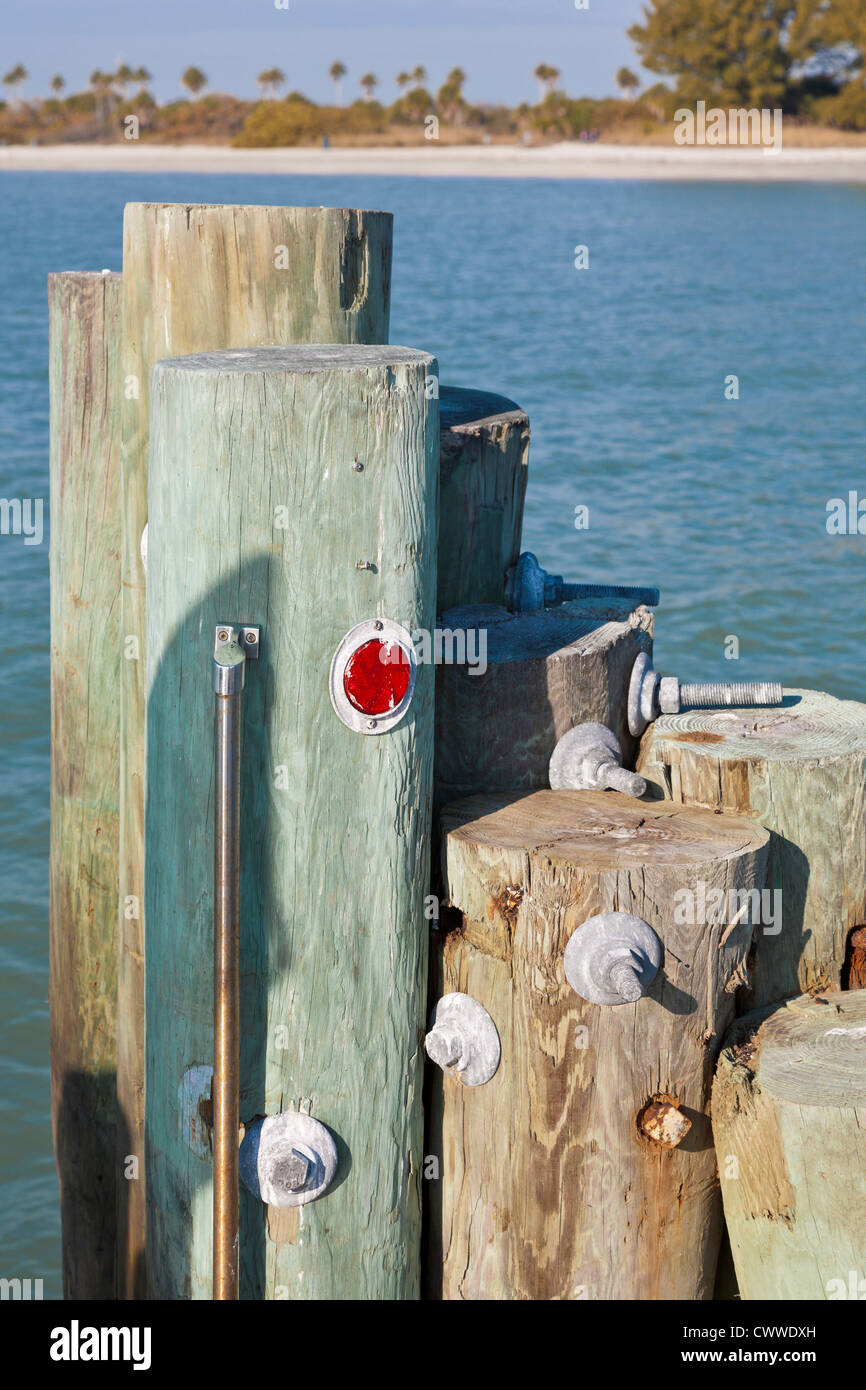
column 561, row 161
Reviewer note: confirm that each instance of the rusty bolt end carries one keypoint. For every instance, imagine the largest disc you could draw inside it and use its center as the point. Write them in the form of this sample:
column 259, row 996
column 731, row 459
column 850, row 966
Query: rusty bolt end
column 664, row 1123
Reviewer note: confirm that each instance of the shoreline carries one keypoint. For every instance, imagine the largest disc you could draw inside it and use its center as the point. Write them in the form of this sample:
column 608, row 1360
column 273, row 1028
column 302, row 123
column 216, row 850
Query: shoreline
column 568, row 160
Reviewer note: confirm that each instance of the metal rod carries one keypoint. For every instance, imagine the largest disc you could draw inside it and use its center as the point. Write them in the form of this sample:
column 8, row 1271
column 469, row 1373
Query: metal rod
column 228, row 680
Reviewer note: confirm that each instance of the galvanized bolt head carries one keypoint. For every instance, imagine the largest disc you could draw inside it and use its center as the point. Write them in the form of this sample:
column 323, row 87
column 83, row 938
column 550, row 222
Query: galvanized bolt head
column 589, row 758
column 613, row 958
column 463, row 1040
column 287, row 1160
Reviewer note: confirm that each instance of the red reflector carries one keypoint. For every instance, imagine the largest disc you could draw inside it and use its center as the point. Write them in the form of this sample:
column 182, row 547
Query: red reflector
column 377, row 676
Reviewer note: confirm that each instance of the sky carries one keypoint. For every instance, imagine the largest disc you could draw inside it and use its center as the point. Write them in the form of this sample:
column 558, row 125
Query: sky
column 496, row 42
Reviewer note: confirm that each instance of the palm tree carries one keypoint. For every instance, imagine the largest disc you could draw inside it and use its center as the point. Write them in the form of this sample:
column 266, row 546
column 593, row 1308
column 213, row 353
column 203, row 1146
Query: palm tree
column 449, row 98
column 101, row 82
column 627, row 81
column 194, row 80
column 547, row 78
column 419, row 76
column 57, row 84
column 123, row 77
column 402, row 79
column 271, row 80
column 141, row 76
column 336, row 72
column 13, row 79
column 368, row 84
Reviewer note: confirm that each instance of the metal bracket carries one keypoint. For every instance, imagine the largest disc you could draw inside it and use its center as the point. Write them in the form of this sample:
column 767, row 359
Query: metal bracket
column 232, row 645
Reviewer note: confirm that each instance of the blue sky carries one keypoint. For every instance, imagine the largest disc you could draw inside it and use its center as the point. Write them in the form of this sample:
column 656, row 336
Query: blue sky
column 496, row 42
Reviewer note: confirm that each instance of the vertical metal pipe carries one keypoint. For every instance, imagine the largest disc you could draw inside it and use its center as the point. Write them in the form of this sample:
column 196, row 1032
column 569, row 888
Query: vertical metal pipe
column 228, row 679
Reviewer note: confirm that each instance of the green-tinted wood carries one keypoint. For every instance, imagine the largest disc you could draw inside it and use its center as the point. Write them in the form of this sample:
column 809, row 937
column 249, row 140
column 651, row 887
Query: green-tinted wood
column 801, row 771
column 258, row 515
column 85, row 348
column 789, row 1122
column 199, row 278
column 483, row 469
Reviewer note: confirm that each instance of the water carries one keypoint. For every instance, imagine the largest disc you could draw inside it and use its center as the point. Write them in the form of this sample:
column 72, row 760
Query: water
column 721, row 503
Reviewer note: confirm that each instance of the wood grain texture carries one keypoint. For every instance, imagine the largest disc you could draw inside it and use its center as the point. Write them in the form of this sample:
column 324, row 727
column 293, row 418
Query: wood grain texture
column 548, row 1188
column 197, row 278
column 801, row 771
column 789, row 1120
column 545, row 673
column 85, row 353
column 257, row 515
column 484, row 452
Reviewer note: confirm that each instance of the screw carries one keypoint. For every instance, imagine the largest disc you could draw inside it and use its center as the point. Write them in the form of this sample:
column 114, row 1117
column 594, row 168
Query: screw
column 250, row 639
column 358, row 466
column 378, row 626
column 365, row 565
column 223, row 635
column 650, row 695
column 371, row 724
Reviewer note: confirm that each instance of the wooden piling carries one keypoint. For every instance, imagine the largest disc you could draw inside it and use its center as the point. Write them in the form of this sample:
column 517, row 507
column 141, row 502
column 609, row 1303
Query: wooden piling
column 800, row 770
column 85, row 359
column 498, row 722
column 258, row 514
column 198, row 278
column 788, row 1104
column 484, row 452
column 584, row 1169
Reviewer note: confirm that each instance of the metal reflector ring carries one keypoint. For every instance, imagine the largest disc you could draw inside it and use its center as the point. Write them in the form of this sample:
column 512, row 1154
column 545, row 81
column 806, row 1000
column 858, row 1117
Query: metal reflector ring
column 373, row 676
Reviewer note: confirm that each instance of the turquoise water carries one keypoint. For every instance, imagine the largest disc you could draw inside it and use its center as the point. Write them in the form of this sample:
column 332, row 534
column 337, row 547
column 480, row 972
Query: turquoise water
column 622, row 366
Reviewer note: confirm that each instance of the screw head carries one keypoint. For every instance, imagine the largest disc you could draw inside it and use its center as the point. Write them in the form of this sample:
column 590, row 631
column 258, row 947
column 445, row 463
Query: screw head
column 250, row 638
column 371, row 723
column 358, row 466
column 222, row 635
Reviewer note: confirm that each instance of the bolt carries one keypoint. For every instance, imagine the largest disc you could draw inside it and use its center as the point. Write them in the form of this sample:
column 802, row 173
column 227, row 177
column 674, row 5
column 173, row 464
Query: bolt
column 445, row 1049
column 664, row 1122
column 250, row 638
column 463, row 1040
column 222, row 635
column 529, row 589
column 365, row 565
column 650, row 695
column 612, row 958
column 589, row 758
column 293, row 1172
column 358, row 466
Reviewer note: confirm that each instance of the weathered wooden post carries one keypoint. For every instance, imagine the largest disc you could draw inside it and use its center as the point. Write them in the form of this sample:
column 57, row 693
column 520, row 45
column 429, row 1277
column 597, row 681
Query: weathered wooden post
column 85, row 348
column 585, row 1168
column 295, row 488
column 534, row 676
column 800, row 770
column 484, row 452
column 199, row 278
column 788, row 1104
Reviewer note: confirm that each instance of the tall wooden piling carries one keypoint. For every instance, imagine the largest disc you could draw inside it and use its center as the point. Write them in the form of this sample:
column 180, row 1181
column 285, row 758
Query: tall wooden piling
column 295, row 488
column 198, row 278
column 85, row 357
column 584, row 1169
column 484, row 452
column 800, row 771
